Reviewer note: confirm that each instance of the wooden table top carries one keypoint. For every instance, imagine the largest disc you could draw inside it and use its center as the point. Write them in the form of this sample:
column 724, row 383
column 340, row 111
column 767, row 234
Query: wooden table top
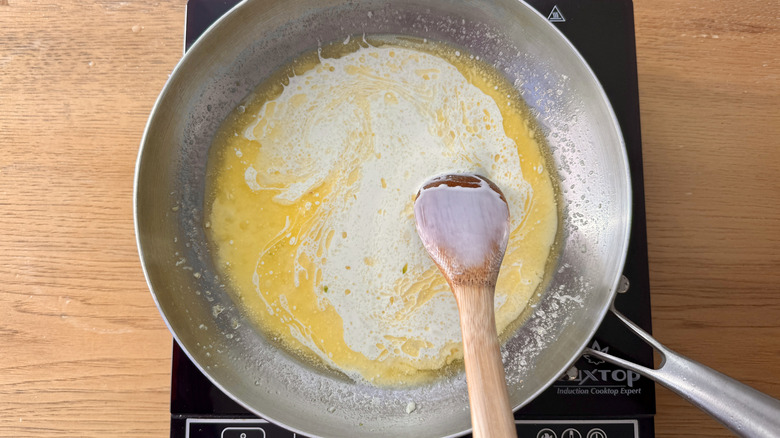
column 85, row 353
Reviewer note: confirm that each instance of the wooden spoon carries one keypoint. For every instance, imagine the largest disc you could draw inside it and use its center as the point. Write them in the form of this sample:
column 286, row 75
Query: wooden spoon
column 463, row 222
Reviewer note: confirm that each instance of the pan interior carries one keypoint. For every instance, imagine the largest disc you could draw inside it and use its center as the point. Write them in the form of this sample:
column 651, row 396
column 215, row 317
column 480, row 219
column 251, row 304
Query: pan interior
column 254, row 40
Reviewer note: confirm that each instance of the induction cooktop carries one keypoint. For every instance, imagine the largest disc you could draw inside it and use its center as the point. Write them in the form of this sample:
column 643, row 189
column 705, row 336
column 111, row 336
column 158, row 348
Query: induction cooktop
column 593, row 399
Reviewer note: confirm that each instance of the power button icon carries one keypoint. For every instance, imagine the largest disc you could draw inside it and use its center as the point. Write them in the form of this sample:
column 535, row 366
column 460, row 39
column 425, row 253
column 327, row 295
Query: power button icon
column 596, row 433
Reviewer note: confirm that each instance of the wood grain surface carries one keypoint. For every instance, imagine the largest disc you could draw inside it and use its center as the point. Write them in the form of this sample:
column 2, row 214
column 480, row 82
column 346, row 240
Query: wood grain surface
column 83, row 350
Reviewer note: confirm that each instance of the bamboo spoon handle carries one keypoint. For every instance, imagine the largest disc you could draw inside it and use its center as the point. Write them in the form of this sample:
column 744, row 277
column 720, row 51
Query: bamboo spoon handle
column 491, row 415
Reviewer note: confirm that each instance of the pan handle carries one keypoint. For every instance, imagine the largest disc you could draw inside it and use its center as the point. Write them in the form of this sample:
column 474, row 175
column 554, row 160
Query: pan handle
column 745, row 411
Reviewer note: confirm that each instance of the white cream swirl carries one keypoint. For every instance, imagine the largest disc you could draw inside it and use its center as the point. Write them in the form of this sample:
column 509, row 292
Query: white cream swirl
column 375, row 124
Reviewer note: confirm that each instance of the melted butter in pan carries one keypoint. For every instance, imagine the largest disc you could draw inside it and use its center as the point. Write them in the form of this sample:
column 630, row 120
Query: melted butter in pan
column 311, row 185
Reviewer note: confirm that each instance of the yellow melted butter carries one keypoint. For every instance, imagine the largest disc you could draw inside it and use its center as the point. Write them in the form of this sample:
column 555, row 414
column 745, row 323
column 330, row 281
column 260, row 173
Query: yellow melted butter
column 298, row 212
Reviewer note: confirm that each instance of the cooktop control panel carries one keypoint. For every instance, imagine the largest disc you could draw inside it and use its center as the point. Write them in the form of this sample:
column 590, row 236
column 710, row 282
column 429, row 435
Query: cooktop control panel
column 256, row 428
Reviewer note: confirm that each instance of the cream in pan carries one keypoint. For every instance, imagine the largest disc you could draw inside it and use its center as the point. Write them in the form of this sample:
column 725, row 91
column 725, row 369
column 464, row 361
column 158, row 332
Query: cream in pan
column 310, row 202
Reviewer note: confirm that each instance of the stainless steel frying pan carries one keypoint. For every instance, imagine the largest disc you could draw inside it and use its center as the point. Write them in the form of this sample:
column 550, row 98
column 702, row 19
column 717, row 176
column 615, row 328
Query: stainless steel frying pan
column 258, row 37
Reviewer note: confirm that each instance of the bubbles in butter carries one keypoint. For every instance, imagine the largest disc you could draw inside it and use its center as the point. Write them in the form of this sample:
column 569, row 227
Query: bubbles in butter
column 312, row 208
